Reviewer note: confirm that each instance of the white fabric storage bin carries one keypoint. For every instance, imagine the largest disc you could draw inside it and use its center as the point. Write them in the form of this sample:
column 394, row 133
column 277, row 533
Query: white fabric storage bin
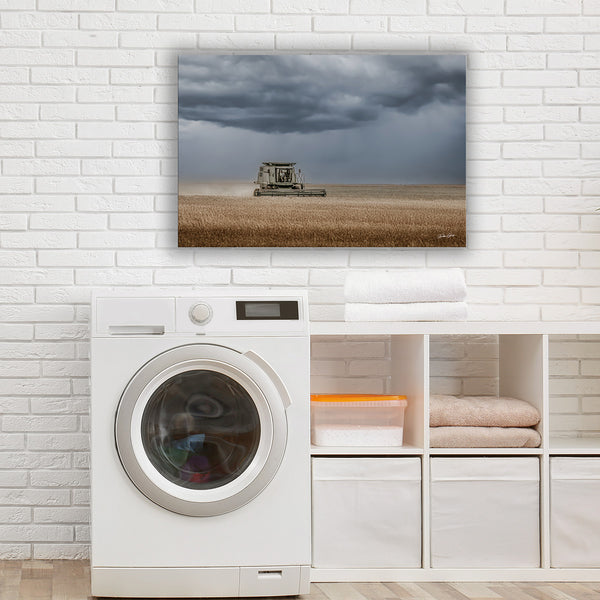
column 574, row 516
column 485, row 512
column 366, row 512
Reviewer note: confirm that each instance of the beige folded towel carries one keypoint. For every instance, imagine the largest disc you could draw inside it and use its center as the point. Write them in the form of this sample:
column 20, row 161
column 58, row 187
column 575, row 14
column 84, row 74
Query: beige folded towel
column 481, row 411
column 483, row 437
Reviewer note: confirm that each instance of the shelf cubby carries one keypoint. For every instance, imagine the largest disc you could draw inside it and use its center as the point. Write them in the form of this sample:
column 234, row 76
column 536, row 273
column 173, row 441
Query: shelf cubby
column 574, row 394
column 490, row 365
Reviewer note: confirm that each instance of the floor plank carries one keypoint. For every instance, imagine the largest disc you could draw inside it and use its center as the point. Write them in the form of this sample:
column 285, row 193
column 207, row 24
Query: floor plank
column 443, row 591
column 70, row 580
column 477, row 591
column 581, row 591
column 410, row 591
column 10, row 579
column 341, row 591
column 373, row 591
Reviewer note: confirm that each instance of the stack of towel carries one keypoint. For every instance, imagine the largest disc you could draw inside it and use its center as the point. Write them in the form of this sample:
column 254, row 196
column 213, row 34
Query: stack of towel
column 406, row 295
column 482, row 422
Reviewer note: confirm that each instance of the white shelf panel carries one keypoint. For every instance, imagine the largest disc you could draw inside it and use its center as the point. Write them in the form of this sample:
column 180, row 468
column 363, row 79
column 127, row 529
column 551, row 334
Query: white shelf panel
column 452, row 328
column 565, row 445
column 416, row 575
column 486, row 451
column 365, row 450
column 414, row 451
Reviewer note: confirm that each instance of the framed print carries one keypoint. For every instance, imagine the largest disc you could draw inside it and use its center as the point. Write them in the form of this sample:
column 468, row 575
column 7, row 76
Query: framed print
column 337, row 150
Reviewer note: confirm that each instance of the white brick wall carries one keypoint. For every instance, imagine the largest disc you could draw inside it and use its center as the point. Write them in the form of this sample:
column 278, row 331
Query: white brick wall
column 88, row 147
column 575, row 385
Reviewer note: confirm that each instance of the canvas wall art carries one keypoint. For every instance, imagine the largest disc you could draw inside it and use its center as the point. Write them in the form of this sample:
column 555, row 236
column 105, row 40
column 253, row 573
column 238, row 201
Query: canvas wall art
column 322, row 150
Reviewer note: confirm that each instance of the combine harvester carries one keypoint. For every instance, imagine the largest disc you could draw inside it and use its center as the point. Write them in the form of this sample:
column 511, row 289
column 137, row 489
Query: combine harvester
column 280, row 179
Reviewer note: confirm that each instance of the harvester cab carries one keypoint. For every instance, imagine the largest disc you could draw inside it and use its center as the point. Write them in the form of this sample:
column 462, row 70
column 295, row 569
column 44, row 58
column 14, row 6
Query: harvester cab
column 281, row 179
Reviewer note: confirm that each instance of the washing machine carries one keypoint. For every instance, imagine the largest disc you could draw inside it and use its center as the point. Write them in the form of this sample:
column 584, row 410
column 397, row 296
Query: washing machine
column 200, row 453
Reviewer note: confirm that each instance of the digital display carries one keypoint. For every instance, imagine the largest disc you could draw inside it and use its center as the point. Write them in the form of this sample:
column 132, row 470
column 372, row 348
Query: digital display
column 266, row 310
column 263, row 310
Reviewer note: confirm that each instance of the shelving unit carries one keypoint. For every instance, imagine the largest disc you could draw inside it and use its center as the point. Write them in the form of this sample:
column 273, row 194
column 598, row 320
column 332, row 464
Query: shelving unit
column 526, row 369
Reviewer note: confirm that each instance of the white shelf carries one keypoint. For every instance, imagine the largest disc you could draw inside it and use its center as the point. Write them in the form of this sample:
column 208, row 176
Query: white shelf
column 452, row 328
column 474, row 575
column 365, row 450
column 414, row 451
column 486, row 451
column 566, row 445
column 523, row 372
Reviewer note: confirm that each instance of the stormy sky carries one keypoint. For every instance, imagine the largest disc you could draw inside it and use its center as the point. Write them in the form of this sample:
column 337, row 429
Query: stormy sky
column 342, row 118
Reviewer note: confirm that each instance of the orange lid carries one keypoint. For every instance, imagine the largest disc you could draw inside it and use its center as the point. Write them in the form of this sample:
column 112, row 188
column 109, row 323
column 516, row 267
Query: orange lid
column 353, row 397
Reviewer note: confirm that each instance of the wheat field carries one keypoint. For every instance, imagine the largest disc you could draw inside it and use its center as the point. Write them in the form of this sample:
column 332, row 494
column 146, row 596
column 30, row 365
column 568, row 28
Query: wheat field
column 350, row 215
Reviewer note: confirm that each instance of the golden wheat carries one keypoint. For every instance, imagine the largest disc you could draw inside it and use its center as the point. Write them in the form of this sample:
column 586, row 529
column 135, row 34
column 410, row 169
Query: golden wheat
column 431, row 216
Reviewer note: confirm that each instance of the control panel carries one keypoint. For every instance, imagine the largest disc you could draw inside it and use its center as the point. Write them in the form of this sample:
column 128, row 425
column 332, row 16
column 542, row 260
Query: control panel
column 241, row 315
column 204, row 314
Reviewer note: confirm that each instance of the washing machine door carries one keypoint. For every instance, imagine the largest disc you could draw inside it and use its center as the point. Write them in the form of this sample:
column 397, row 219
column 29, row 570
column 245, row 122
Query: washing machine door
column 201, row 429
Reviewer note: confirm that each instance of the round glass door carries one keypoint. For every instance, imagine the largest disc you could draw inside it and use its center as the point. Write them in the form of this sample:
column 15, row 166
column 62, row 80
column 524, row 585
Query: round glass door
column 201, row 429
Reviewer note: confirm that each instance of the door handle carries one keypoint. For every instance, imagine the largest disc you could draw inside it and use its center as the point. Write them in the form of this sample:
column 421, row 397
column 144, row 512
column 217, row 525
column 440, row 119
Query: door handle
column 265, row 366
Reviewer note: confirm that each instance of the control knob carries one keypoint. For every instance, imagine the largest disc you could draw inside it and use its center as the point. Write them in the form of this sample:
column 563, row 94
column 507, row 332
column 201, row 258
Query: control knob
column 200, row 313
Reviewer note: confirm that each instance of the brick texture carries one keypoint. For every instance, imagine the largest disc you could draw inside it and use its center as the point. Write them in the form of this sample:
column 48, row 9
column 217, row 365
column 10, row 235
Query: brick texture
column 88, row 110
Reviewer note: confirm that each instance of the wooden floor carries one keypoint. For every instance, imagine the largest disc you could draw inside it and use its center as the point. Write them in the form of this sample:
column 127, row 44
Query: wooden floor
column 70, row 580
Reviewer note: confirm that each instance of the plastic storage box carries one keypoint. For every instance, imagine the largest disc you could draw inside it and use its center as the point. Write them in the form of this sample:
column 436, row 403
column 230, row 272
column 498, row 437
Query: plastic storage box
column 366, row 512
column 357, row 420
column 574, row 516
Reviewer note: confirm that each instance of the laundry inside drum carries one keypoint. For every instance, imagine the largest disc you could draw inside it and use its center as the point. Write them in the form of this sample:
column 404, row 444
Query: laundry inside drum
column 200, row 429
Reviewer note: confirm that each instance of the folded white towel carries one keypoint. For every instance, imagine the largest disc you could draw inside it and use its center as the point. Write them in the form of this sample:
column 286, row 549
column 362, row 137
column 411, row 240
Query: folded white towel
column 415, row 311
column 406, row 285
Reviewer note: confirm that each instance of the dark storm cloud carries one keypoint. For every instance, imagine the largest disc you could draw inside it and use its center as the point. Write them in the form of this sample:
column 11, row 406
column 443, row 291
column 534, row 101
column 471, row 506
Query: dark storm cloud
column 433, row 79
column 310, row 94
